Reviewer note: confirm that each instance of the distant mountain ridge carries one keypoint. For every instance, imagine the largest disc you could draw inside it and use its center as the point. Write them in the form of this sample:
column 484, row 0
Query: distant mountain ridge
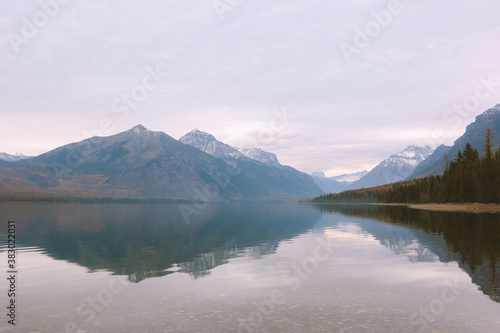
column 395, row 168
column 139, row 163
column 336, row 184
column 261, row 156
column 253, row 160
column 13, row 158
column 474, row 134
column 210, row 145
column 143, row 164
column 350, row 177
column 429, row 163
column 328, row 185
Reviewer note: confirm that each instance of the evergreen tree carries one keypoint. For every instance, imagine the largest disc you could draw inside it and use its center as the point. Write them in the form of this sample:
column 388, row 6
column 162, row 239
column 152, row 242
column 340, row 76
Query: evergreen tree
column 471, row 187
column 488, row 147
column 488, row 177
column 497, row 177
column 470, row 155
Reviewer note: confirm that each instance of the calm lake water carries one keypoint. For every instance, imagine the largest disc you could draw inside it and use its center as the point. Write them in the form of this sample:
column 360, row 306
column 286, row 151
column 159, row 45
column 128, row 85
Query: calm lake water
column 251, row 268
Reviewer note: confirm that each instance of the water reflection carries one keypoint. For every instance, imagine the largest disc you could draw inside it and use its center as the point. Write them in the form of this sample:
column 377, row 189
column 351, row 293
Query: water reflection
column 472, row 240
column 144, row 241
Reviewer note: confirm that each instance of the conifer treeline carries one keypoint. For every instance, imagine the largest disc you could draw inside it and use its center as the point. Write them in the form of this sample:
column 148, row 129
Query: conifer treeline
column 47, row 198
column 468, row 178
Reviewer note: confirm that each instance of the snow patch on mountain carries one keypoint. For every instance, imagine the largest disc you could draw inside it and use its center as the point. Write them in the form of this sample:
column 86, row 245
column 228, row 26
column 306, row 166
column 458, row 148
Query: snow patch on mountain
column 13, row 158
column 260, row 155
column 209, row 144
column 493, row 111
column 328, row 185
column 350, row 177
column 396, row 168
column 412, row 156
column 140, row 130
column 336, row 184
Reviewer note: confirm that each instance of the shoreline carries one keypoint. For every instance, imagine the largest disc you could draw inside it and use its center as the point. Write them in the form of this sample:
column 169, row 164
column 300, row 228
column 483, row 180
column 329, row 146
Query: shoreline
column 443, row 207
column 456, row 207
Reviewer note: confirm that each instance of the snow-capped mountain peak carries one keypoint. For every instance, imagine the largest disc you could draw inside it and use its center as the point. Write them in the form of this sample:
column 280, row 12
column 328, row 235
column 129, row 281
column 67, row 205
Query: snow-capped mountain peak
column 412, row 155
column 209, row 144
column 396, row 168
column 141, row 131
column 13, row 158
column 260, row 155
column 492, row 111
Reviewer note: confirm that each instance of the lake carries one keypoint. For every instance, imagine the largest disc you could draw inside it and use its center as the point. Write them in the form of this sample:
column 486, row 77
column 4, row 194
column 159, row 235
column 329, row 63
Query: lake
column 250, row 268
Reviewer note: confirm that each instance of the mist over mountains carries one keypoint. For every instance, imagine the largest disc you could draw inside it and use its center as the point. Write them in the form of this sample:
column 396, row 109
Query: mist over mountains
column 328, row 185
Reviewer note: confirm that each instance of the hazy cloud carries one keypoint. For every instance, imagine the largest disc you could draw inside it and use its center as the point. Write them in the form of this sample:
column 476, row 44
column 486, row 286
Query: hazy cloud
column 226, row 76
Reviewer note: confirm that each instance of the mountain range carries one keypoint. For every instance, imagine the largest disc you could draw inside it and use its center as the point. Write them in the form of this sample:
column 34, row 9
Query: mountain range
column 144, row 164
column 336, row 184
column 13, row 158
column 393, row 169
column 210, row 145
column 350, row 178
column 474, row 134
column 396, row 168
column 417, row 162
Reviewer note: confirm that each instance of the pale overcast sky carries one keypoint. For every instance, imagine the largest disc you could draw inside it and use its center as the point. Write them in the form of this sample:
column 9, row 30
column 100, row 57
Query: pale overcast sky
column 335, row 86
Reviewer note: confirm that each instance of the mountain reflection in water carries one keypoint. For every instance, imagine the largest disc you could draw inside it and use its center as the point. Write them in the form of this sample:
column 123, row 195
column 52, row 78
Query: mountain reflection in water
column 143, row 241
column 471, row 239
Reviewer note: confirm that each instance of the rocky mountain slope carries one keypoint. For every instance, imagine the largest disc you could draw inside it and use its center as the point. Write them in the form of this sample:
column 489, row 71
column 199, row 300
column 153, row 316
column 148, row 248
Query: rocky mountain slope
column 474, row 134
column 145, row 164
column 395, row 168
